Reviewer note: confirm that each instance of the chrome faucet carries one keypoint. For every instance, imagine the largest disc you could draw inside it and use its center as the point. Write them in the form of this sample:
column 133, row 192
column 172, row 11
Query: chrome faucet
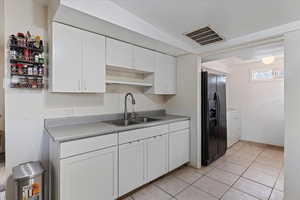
column 125, row 108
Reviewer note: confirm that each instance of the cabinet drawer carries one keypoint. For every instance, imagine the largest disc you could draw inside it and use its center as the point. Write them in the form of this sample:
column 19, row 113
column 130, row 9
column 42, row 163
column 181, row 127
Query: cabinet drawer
column 179, row 126
column 138, row 134
column 75, row 147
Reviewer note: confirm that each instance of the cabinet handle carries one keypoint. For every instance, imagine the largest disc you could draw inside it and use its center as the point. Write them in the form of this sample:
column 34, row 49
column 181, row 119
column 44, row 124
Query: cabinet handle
column 85, row 86
column 79, row 85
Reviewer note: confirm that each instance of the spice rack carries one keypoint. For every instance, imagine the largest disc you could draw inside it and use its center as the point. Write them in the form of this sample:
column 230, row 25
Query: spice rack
column 27, row 63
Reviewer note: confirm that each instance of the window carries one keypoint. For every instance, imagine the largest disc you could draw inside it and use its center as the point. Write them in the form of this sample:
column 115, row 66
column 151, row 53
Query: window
column 267, row 74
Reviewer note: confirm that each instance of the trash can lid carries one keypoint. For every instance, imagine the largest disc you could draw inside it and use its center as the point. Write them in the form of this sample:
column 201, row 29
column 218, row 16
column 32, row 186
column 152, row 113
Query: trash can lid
column 27, row 170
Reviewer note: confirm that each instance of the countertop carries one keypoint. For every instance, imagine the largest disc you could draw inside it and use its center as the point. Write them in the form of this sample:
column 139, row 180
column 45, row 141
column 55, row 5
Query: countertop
column 66, row 133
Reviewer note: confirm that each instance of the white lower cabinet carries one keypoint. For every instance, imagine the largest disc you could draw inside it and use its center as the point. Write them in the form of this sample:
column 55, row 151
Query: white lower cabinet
column 179, row 150
column 132, row 172
column 157, row 157
column 110, row 166
column 91, row 175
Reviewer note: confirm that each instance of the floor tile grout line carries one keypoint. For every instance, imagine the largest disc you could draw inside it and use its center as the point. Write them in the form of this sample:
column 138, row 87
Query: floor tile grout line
column 177, row 192
column 208, row 192
column 255, row 160
column 242, row 175
column 236, row 180
column 192, row 183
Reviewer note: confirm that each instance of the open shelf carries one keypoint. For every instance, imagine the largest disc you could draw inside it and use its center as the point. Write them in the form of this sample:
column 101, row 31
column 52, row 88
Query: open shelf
column 129, row 83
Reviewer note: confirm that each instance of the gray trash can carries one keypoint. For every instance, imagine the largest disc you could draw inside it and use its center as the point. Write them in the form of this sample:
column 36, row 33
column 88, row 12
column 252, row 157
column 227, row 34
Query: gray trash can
column 29, row 181
column 2, row 192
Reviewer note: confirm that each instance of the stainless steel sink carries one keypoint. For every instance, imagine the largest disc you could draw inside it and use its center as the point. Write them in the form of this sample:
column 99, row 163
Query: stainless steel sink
column 146, row 119
column 138, row 120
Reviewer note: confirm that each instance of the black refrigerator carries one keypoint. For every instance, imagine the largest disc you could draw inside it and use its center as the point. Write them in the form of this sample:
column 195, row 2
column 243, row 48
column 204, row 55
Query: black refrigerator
column 214, row 125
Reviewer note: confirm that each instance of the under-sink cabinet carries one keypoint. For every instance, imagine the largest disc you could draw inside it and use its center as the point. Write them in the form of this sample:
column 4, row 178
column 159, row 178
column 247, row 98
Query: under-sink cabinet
column 132, row 171
column 110, row 166
column 157, row 157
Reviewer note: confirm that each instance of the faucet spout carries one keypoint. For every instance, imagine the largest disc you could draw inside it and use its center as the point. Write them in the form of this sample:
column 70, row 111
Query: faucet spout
column 125, row 106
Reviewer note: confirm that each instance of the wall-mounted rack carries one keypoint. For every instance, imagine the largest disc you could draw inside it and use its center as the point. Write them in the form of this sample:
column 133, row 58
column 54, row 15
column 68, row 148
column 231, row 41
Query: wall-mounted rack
column 27, row 63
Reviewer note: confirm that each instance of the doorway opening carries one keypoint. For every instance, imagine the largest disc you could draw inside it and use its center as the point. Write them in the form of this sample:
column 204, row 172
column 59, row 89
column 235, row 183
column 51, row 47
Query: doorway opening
column 255, row 117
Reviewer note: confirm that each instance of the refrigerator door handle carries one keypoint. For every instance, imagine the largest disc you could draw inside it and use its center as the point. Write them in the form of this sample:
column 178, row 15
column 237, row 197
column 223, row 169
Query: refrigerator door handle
column 218, row 105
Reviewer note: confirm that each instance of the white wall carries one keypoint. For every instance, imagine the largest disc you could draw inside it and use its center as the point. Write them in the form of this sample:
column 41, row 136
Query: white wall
column 216, row 66
column 1, row 64
column 26, row 109
column 187, row 100
column 292, row 110
column 261, row 104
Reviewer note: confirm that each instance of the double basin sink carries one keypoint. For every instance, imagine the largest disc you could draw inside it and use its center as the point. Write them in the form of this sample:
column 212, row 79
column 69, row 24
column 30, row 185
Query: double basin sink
column 138, row 120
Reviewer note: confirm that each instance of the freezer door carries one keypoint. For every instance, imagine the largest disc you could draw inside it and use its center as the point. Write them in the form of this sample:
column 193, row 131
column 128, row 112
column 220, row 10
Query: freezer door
column 221, row 114
column 209, row 118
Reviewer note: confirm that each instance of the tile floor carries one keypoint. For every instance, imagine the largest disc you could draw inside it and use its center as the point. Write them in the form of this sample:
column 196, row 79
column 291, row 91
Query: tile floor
column 246, row 172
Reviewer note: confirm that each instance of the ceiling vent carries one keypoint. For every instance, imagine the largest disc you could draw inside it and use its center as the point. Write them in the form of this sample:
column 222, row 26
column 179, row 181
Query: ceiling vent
column 205, row 36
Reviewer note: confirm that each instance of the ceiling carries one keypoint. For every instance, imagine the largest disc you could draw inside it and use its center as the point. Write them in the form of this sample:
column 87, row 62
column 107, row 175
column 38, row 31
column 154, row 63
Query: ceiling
column 231, row 18
column 249, row 55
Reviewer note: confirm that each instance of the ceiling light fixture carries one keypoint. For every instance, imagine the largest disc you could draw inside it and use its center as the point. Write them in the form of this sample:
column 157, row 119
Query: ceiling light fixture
column 268, row 60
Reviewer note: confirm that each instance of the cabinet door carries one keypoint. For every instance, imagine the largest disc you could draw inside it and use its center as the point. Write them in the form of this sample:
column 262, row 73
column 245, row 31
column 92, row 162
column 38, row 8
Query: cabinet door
column 119, row 54
column 66, row 59
column 90, row 176
column 161, row 74
column 172, row 80
column 230, row 130
column 131, row 166
column 157, row 157
column 93, row 68
column 143, row 59
column 179, row 149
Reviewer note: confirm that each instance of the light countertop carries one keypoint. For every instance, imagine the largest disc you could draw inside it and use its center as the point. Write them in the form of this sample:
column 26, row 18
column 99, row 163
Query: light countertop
column 64, row 133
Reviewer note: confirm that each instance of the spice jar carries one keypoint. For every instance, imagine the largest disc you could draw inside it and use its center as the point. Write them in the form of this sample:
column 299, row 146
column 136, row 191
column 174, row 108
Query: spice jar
column 14, row 68
column 35, row 70
column 32, row 82
column 30, row 70
column 23, row 82
column 26, row 54
column 40, row 83
column 20, row 68
column 13, row 54
column 36, row 58
column 25, row 69
column 15, row 81
column 41, row 71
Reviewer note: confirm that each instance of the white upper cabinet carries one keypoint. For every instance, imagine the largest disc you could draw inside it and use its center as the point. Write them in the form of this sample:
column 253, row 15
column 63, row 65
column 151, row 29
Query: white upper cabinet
column 93, row 73
column 172, row 81
column 143, row 59
column 119, row 54
column 78, row 60
column 66, row 59
column 164, row 78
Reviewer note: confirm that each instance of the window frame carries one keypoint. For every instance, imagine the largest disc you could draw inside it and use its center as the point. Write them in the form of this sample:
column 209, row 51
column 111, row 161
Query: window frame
column 273, row 69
